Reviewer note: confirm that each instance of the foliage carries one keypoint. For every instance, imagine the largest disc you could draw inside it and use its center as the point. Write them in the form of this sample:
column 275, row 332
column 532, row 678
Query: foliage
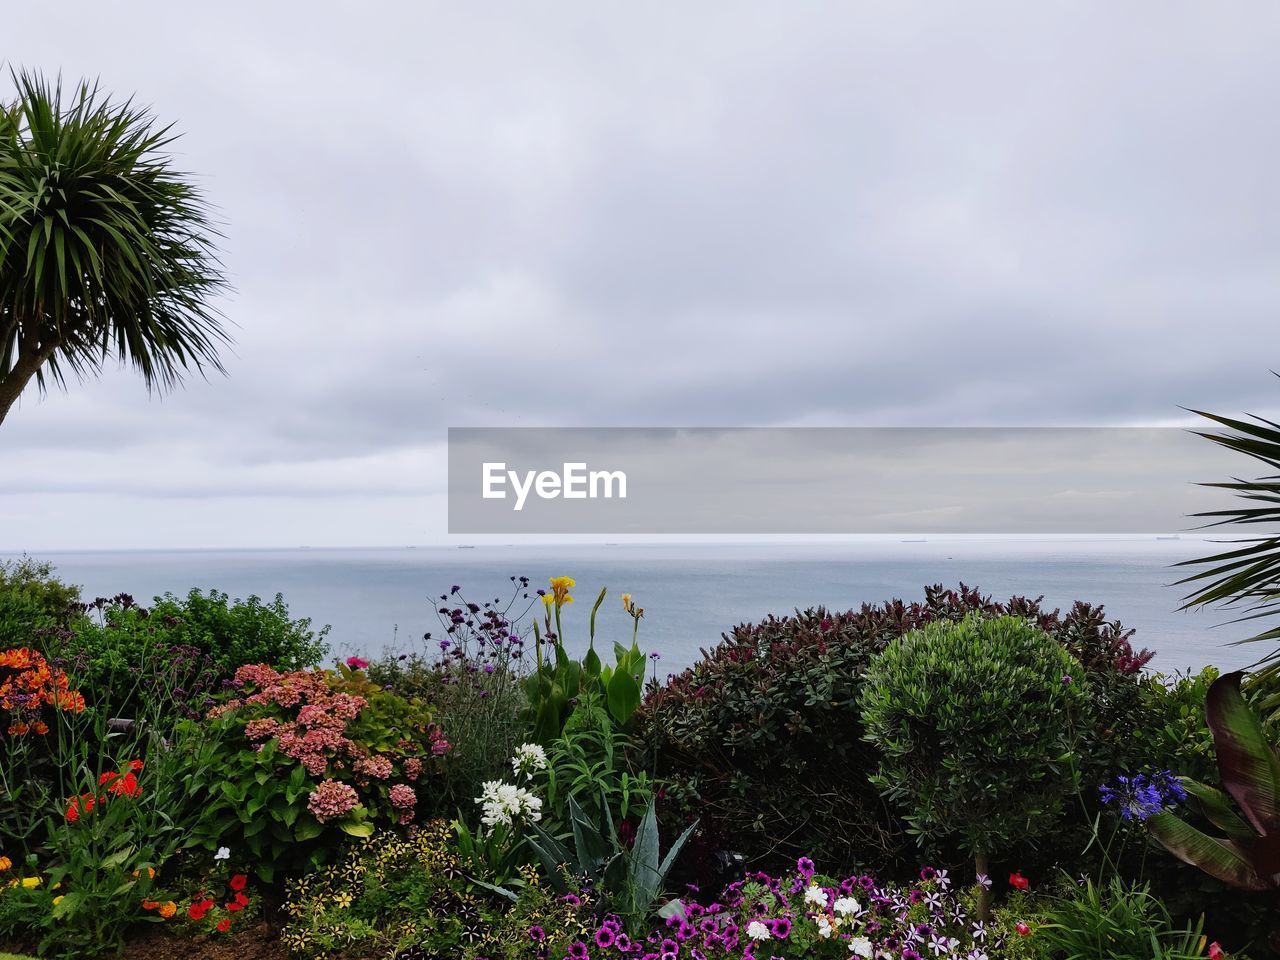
column 235, row 632
column 474, row 684
column 306, row 752
column 762, row 738
column 628, row 880
column 118, row 645
column 590, row 760
column 32, row 600
column 385, row 895
column 113, row 827
column 1249, row 770
column 559, row 682
column 975, row 722
column 1119, row 921
column 1247, row 577
column 105, row 248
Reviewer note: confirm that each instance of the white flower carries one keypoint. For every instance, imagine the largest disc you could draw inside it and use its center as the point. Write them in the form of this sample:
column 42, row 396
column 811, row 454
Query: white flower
column 757, row 930
column 505, row 803
column 860, row 947
column 528, row 758
column 222, row 854
column 816, row 895
column 825, row 928
column 846, row 906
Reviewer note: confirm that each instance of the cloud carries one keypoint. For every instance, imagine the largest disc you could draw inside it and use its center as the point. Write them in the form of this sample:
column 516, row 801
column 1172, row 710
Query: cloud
column 885, row 214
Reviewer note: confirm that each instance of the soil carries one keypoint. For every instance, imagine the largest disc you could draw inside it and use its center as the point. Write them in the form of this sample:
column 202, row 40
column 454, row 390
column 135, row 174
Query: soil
column 258, row 942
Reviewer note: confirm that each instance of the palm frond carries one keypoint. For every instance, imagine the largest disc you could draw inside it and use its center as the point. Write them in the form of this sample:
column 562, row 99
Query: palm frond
column 105, row 249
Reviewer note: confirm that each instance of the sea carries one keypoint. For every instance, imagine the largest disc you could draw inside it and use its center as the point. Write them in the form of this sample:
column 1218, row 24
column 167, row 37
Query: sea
column 385, row 599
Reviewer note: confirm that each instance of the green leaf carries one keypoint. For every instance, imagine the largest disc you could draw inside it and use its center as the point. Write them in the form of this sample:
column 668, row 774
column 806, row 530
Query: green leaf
column 356, row 828
column 67, row 905
column 1218, row 858
column 308, row 828
column 623, row 697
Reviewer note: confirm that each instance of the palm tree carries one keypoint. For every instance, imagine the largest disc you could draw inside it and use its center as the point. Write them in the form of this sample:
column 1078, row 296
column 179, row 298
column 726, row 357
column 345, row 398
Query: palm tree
column 1246, row 578
column 105, row 249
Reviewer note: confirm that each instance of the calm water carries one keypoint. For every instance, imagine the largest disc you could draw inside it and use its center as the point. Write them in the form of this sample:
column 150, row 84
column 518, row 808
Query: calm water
column 380, row 598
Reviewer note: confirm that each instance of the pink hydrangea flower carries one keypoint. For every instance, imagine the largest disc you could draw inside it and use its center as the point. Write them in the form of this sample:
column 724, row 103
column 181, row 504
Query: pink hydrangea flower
column 331, row 799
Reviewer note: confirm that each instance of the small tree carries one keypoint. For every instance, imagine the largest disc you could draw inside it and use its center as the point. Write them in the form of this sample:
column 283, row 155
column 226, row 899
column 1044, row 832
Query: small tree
column 105, row 249
column 974, row 724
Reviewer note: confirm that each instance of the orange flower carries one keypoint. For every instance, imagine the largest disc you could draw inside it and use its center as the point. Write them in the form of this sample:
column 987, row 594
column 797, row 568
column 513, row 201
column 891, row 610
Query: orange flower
column 150, row 904
column 169, row 909
column 5, row 864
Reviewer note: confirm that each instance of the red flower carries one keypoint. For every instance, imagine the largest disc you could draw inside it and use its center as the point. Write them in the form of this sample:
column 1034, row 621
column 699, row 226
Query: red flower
column 126, row 786
column 238, row 881
column 1018, row 881
column 81, row 804
column 107, row 777
column 1215, row 951
column 234, row 906
column 198, row 909
column 224, row 924
column 242, row 899
column 1022, row 928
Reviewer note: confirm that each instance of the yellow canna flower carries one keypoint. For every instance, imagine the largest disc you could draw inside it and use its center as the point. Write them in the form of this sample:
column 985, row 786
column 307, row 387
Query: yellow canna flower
column 30, row 883
column 626, row 602
column 548, row 599
column 58, row 899
column 560, row 587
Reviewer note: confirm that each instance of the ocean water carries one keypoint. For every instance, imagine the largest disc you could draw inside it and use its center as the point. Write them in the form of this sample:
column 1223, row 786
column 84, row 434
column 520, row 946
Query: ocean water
column 379, row 599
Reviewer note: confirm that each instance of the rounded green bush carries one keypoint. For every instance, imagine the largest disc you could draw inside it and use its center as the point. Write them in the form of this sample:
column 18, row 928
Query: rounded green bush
column 975, row 722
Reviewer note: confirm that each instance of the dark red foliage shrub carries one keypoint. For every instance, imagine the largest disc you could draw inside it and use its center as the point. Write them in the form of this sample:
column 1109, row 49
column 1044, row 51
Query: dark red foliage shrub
column 762, row 738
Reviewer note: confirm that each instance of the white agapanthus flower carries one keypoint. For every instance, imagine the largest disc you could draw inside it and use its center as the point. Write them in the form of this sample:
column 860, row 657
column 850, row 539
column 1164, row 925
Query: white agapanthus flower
column 846, row 906
column 757, row 930
column 860, row 947
column 816, row 896
column 505, row 802
column 528, row 758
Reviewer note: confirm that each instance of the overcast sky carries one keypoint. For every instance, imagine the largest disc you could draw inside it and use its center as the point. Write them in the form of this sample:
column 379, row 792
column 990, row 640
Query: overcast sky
column 462, row 214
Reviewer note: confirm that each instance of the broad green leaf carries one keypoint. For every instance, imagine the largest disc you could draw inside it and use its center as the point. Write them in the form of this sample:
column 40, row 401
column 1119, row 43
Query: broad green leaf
column 1218, row 858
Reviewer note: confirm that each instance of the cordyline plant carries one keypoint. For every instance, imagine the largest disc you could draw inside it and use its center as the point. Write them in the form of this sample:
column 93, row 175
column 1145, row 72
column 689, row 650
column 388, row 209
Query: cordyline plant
column 1246, row 578
column 105, row 249
column 1248, row 856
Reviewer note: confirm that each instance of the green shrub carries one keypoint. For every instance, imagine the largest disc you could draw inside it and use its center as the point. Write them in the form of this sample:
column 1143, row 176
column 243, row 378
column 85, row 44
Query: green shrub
column 305, row 756
column 762, row 738
column 235, row 632
column 116, row 646
column 32, row 601
column 975, row 723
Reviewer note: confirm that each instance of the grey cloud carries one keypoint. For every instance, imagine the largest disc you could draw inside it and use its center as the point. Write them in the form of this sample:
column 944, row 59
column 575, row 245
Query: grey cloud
column 445, row 215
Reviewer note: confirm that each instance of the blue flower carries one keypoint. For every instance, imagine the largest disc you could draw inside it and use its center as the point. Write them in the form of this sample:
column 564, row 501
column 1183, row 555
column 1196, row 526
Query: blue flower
column 1142, row 796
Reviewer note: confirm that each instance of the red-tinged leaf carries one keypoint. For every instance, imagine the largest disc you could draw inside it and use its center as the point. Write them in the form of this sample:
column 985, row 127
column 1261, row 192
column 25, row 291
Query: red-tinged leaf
column 1248, row 766
column 1218, row 858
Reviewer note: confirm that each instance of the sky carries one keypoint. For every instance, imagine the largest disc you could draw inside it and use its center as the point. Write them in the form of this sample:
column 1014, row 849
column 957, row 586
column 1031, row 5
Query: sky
column 718, row 214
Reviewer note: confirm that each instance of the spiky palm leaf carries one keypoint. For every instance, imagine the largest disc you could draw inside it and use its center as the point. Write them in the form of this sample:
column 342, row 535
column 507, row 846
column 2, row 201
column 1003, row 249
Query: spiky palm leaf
column 1246, row 579
column 105, row 249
